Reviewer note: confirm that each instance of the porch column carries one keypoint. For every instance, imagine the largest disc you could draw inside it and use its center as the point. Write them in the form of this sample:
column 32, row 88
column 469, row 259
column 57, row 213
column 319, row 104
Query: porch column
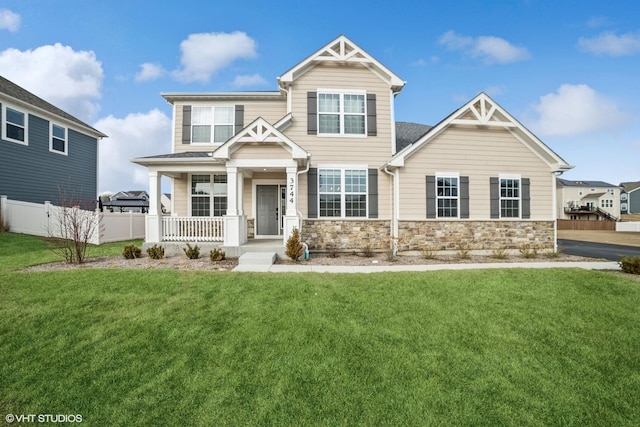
column 153, row 229
column 240, row 194
column 232, row 191
column 232, row 226
column 291, row 219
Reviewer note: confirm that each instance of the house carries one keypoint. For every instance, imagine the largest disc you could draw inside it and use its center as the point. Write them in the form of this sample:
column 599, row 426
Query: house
column 630, row 198
column 324, row 154
column 587, row 200
column 128, row 201
column 45, row 152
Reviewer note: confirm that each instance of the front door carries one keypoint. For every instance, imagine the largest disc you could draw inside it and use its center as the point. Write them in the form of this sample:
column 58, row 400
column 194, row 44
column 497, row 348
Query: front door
column 267, row 210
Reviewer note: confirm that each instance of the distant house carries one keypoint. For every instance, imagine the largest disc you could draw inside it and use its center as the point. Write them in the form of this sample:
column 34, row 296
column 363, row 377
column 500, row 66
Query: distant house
column 630, row 197
column 324, row 154
column 165, row 200
column 587, row 200
column 44, row 151
column 128, row 201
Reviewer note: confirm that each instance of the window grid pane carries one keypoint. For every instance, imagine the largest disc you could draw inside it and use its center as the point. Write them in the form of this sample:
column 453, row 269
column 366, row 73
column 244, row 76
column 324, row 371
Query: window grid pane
column 200, row 133
column 15, row 117
column 354, row 104
column 355, row 181
column 219, row 206
column 447, row 197
column 330, row 181
column 510, row 198
column 330, row 205
column 354, row 125
column 329, row 123
column 58, row 145
column 329, row 103
column 355, row 205
column 222, row 133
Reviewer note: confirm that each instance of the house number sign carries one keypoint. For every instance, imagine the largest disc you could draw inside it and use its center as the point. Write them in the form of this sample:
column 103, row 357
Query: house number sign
column 291, row 190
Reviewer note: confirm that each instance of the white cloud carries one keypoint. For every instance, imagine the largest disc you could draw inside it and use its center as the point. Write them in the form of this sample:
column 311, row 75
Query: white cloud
column 598, row 22
column 611, row 44
column 205, row 53
column 489, row 49
column 252, row 80
column 149, row 72
column 576, row 109
column 137, row 135
column 70, row 80
column 9, row 20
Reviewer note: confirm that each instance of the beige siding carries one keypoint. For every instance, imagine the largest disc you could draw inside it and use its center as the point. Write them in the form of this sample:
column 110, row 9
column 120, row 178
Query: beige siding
column 270, row 111
column 267, row 151
column 180, row 195
column 372, row 150
column 478, row 153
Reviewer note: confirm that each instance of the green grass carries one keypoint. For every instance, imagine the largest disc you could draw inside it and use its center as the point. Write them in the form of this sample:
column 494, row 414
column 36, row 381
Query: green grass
column 494, row 347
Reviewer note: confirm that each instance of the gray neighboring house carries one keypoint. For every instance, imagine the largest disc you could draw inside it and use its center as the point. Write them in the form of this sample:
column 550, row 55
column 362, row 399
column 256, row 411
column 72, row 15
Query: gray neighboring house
column 630, row 197
column 44, row 149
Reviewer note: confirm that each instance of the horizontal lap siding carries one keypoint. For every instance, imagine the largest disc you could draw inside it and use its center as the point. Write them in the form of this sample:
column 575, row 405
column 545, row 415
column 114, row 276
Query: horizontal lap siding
column 479, row 154
column 267, row 151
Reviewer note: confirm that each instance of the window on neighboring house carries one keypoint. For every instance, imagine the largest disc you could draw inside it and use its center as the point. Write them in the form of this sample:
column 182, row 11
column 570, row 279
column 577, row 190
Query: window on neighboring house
column 447, row 196
column 342, row 192
column 341, row 113
column 510, row 197
column 15, row 125
column 211, row 124
column 58, row 139
column 208, row 194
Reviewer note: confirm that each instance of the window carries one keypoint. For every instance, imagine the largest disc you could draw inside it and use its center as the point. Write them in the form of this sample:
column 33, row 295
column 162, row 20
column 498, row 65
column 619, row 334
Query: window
column 338, row 200
column 447, row 196
column 510, row 197
column 58, row 142
column 208, row 194
column 211, row 124
column 341, row 113
column 606, row 203
column 15, row 126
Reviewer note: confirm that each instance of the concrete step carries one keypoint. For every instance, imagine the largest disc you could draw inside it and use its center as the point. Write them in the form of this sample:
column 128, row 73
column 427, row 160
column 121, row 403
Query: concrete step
column 256, row 261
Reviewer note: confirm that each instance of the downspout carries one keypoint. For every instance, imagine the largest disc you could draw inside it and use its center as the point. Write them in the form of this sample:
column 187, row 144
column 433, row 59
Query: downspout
column 297, row 199
column 396, row 205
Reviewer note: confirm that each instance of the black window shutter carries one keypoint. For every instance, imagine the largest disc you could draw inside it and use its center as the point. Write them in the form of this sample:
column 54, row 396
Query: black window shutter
column 526, row 198
column 372, row 127
column 312, row 193
column 373, row 193
column 312, row 113
column 431, row 196
column 494, row 196
column 464, row 197
column 186, row 124
column 239, row 119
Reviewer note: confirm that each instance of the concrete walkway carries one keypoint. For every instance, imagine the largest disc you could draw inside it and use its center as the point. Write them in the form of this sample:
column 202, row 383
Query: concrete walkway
column 303, row 267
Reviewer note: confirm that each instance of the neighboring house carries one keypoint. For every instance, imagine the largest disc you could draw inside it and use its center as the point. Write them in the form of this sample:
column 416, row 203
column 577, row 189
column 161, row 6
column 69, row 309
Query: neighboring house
column 324, row 154
column 128, row 201
column 45, row 152
column 630, row 198
column 588, row 200
column 165, row 201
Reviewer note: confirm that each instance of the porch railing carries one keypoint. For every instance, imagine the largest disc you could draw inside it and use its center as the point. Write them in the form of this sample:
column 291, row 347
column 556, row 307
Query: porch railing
column 192, row 229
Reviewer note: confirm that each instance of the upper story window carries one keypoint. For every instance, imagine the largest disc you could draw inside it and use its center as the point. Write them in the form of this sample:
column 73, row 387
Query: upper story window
column 342, row 192
column 341, row 113
column 509, row 197
column 447, row 196
column 211, row 124
column 58, row 141
column 15, row 126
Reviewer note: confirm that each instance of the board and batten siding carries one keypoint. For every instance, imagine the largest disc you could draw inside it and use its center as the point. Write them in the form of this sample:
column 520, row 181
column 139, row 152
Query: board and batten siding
column 271, row 111
column 32, row 173
column 478, row 154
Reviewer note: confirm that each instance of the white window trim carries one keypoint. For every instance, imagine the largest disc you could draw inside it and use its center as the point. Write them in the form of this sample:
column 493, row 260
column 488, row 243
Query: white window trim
column 4, row 124
column 341, row 92
column 213, row 124
column 500, row 198
column 211, row 195
column 66, row 139
column 343, row 193
column 448, row 175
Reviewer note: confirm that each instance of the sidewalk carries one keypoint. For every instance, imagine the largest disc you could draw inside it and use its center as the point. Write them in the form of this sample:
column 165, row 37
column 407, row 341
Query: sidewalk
column 308, row 268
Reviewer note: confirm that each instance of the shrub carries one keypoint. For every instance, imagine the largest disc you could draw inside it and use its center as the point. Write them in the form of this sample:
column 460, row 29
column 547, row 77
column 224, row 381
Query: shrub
column 367, row 251
column 155, row 252
column 294, row 248
column 131, row 252
column 463, row 251
column 332, row 250
column 528, row 251
column 630, row 265
column 429, row 252
column 217, row 255
column 499, row 253
column 553, row 254
column 192, row 252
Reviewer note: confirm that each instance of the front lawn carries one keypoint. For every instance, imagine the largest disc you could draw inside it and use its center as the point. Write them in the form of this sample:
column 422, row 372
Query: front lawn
column 494, row 347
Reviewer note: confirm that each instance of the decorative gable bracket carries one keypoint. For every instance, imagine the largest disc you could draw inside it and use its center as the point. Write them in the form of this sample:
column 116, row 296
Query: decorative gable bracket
column 483, row 112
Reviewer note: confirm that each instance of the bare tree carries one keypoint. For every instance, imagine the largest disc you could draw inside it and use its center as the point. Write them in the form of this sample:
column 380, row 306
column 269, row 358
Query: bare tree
column 73, row 224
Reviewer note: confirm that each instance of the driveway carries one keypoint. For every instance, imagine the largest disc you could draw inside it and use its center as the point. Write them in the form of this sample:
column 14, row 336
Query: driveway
column 607, row 251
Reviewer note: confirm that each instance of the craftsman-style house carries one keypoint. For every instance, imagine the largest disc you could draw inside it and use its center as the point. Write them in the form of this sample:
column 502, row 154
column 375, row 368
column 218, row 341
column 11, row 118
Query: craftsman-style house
column 324, row 154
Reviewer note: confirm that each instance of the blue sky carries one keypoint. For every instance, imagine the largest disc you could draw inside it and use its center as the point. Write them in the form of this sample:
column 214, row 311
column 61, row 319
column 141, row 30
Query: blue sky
column 567, row 70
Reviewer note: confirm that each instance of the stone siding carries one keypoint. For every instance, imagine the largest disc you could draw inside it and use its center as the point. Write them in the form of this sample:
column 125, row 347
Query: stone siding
column 251, row 228
column 475, row 235
column 346, row 235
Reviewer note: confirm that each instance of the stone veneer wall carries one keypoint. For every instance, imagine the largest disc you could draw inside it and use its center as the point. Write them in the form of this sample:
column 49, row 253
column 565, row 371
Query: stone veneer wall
column 476, row 235
column 346, row 235
column 251, row 228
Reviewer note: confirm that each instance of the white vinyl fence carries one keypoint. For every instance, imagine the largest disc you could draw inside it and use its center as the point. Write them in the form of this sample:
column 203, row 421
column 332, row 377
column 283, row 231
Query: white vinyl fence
column 44, row 220
column 628, row 226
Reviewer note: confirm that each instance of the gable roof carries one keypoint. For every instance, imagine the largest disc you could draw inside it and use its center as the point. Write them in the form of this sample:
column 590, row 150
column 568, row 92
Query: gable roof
column 580, row 183
column 630, row 186
column 484, row 111
column 407, row 133
column 341, row 50
column 23, row 96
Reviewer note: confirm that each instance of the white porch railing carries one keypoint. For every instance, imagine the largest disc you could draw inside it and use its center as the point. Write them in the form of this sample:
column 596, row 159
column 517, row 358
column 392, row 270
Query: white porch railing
column 192, row 229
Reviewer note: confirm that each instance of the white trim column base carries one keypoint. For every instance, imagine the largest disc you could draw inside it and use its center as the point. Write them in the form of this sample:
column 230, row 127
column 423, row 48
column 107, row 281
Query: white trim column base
column 153, row 230
column 290, row 222
column 235, row 230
